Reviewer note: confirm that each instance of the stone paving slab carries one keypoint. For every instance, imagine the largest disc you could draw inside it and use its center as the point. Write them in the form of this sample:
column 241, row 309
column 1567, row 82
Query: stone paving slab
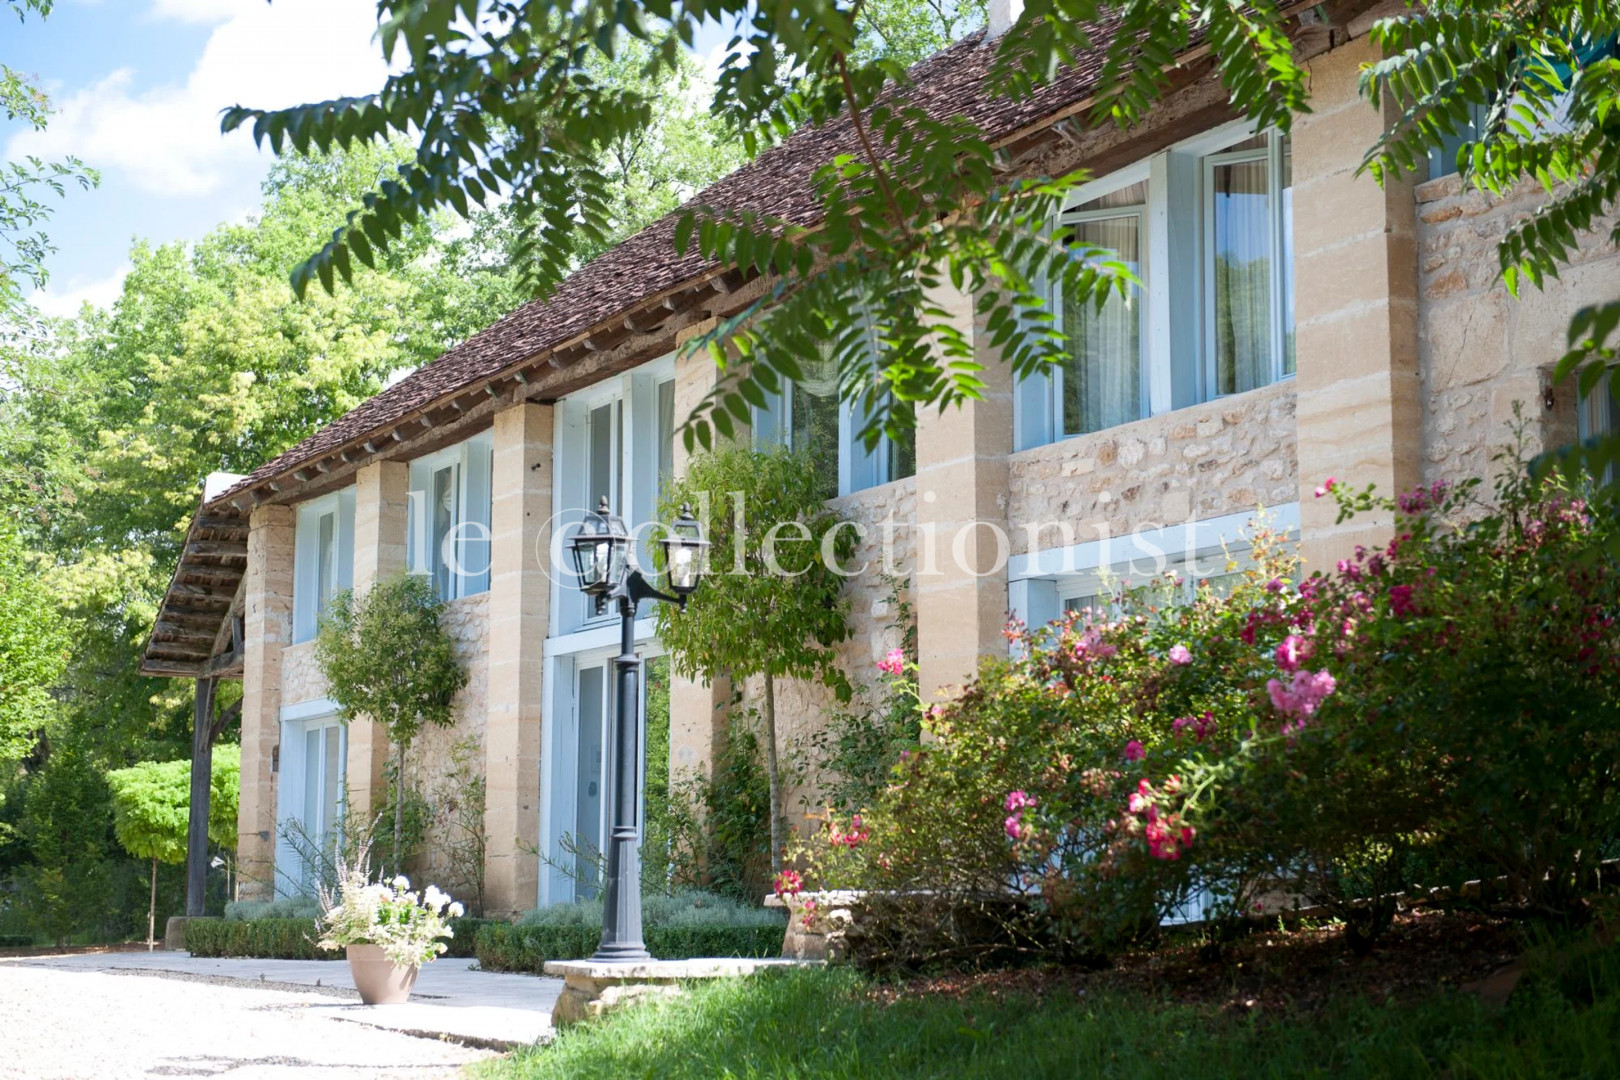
column 452, row 999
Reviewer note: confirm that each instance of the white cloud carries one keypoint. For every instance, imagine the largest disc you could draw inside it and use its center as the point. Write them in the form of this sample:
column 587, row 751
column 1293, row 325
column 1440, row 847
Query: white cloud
column 66, row 301
column 194, row 11
column 166, row 140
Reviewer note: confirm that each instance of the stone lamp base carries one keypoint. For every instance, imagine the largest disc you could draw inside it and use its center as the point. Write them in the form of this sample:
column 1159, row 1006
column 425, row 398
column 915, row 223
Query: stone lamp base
column 594, row 988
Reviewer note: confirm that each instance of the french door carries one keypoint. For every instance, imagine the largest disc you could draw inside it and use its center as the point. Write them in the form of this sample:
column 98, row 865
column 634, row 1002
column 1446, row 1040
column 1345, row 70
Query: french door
column 579, row 775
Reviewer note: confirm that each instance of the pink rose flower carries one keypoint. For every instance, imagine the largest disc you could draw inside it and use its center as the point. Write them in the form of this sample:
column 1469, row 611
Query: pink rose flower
column 1180, row 654
column 1291, row 653
column 1299, row 699
column 894, row 663
column 1135, row 751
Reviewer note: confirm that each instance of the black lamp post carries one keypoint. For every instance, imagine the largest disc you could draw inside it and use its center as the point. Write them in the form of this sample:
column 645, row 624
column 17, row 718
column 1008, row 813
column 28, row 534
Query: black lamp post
column 601, row 556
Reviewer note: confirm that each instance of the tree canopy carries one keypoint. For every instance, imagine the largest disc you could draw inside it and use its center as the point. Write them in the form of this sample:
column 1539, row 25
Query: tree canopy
column 152, row 805
column 772, row 603
column 387, row 657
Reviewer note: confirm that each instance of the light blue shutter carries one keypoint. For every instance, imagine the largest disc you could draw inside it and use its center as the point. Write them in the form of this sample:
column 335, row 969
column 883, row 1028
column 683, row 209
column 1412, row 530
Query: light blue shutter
column 345, row 567
column 474, row 549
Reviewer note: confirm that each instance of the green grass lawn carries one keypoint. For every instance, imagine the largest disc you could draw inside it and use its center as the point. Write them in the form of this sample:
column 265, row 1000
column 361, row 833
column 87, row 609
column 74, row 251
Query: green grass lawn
column 828, row 1024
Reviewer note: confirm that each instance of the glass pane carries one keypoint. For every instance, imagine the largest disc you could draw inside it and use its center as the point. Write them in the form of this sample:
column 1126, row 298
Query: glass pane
column 599, row 483
column 815, row 419
column 1241, row 249
column 1599, row 415
column 330, row 789
column 1132, row 195
column 1102, row 377
column 1221, row 584
column 1286, row 256
column 666, row 434
column 903, row 455
column 311, row 816
column 588, row 782
column 325, row 562
column 442, row 521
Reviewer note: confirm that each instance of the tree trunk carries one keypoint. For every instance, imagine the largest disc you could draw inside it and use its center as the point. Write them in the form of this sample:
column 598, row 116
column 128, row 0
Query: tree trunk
column 399, row 804
column 771, row 774
column 151, row 910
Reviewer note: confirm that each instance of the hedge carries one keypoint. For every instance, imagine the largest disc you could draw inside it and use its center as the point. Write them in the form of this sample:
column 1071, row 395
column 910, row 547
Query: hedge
column 503, row 947
column 261, row 939
column 293, row 939
column 16, row 941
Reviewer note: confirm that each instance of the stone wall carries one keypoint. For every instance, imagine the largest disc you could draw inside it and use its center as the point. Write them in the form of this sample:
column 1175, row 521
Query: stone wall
column 440, row 757
column 1222, row 457
column 1481, row 349
column 301, row 678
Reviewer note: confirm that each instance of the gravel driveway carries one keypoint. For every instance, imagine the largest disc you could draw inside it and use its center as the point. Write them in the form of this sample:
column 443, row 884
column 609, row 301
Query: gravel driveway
column 89, row 1025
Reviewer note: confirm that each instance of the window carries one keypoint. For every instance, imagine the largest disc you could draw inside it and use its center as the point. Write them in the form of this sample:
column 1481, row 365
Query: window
column 448, row 538
column 1173, row 564
column 809, row 416
column 614, row 439
column 605, row 466
column 1207, row 228
column 1249, row 264
column 1598, row 416
column 666, row 434
column 314, row 757
column 1102, row 381
column 323, row 558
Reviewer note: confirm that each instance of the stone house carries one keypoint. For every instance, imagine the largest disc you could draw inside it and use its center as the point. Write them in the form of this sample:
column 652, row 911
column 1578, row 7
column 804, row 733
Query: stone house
column 1296, row 321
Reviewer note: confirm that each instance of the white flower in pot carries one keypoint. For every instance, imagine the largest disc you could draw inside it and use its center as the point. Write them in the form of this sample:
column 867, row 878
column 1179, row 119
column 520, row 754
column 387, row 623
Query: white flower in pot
column 387, row 931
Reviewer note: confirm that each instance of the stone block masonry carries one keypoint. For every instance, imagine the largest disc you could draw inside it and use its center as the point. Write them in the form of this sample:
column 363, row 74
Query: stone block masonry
column 519, row 599
column 267, row 629
column 1482, row 349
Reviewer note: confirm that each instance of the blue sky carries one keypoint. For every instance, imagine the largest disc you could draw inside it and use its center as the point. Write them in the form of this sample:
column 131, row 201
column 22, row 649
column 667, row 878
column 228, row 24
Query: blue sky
column 137, row 87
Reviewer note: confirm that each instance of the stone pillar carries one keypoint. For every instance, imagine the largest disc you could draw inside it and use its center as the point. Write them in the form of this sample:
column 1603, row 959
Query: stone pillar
column 1355, row 309
column 268, row 599
column 381, row 506
column 519, row 613
column 697, row 711
column 961, row 541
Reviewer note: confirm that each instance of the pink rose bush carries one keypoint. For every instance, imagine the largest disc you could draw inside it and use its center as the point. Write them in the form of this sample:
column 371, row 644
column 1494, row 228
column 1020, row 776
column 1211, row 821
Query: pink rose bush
column 1441, row 706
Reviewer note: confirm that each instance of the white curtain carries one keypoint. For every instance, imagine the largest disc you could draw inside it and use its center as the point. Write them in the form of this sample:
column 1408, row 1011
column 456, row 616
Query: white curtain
column 1102, row 377
column 1242, row 250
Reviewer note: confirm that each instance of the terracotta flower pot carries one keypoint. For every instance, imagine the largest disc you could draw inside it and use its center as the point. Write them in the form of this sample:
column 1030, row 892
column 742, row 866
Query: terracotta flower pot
column 379, row 980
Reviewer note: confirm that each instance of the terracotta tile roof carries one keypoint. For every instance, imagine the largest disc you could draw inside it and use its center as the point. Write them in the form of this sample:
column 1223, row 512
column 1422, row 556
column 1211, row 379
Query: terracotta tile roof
column 952, row 82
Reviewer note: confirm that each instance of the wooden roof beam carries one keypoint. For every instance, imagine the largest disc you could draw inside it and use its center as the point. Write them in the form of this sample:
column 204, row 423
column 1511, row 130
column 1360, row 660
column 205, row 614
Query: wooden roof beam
column 223, row 549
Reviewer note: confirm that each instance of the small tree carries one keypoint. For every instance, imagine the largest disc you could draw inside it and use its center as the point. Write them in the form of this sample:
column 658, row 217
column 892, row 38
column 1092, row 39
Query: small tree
column 66, row 810
column 152, row 808
column 387, row 655
column 772, row 605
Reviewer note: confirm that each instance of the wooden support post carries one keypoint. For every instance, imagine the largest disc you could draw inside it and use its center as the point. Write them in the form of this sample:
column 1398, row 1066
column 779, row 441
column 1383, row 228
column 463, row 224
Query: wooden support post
column 202, row 770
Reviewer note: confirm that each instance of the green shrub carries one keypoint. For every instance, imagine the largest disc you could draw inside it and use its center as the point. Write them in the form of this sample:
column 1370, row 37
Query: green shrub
column 685, row 907
column 16, row 941
column 289, row 907
column 1442, row 709
column 294, row 938
column 465, row 942
column 262, row 939
column 505, row 947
